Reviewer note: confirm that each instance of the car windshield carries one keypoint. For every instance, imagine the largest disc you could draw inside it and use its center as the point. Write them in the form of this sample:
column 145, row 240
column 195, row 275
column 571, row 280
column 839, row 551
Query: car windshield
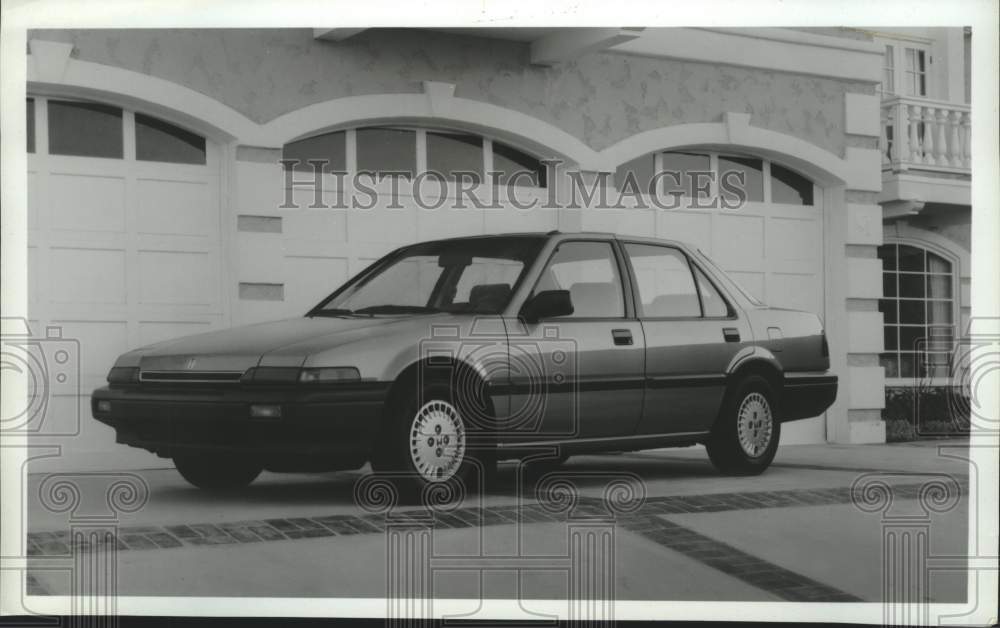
column 475, row 275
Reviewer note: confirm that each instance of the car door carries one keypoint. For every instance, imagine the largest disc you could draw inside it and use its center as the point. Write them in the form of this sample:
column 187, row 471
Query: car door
column 580, row 376
column 692, row 333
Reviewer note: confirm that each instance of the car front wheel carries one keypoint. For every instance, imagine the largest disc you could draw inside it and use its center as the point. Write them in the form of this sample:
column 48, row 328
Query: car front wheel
column 217, row 472
column 428, row 442
column 745, row 437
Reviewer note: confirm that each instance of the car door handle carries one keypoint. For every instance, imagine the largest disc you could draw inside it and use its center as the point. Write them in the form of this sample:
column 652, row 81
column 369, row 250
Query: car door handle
column 731, row 334
column 622, row 336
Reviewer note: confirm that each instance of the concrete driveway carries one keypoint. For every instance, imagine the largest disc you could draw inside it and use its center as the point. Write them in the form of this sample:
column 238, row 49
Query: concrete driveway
column 663, row 525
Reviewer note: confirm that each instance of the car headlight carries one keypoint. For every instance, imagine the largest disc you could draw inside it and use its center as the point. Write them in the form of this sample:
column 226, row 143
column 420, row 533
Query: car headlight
column 292, row 375
column 123, row 375
column 271, row 375
column 329, row 374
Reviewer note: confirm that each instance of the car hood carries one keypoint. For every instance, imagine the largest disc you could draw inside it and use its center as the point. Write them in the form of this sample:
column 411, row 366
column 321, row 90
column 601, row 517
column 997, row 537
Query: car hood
column 240, row 348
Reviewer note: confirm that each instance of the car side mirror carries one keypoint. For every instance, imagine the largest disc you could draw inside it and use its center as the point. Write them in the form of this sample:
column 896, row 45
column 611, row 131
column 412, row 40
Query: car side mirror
column 547, row 304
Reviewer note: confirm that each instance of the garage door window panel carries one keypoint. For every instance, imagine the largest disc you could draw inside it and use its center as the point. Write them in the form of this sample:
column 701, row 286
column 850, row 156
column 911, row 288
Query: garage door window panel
column 329, row 148
column 747, row 173
column 385, row 150
column 410, row 150
column 450, row 153
column 30, row 108
column 789, row 187
column 83, row 129
column 758, row 180
column 513, row 165
column 156, row 140
column 684, row 179
column 679, row 180
column 640, row 169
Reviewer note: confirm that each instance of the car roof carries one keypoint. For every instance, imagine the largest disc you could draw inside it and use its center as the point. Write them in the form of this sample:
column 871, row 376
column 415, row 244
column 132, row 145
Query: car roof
column 570, row 235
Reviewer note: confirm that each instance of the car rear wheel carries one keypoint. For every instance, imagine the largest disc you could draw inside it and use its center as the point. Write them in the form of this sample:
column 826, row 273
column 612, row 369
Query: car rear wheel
column 745, row 437
column 427, row 441
column 217, row 472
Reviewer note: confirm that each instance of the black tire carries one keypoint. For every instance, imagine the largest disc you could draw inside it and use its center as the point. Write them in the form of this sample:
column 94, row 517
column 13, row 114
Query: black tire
column 395, row 454
column 755, row 454
column 217, row 472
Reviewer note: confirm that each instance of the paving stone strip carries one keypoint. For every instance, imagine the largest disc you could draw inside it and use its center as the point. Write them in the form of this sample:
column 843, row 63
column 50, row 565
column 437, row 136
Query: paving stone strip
column 647, row 521
column 757, row 572
column 59, row 543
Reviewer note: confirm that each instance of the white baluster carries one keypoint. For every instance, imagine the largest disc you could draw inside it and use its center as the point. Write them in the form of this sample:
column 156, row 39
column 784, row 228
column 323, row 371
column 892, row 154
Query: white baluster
column 955, row 140
column 883, row 140
column 900, row 136
column 966, row 139
column 929, row 135
column 916, row 148
column 941, row 139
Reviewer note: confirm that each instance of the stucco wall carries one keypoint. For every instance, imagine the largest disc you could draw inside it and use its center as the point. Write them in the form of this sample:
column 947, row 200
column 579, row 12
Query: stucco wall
column 954, row 223
column 600, row 98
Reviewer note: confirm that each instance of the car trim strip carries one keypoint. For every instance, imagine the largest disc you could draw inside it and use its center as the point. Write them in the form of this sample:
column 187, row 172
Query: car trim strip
column 523, row 387
column 514, row 444
column 201, row 377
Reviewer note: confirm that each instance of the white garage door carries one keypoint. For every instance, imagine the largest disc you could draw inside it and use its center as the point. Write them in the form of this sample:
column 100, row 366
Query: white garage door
column 772, row 244
column 123, row 240
column 323, row 247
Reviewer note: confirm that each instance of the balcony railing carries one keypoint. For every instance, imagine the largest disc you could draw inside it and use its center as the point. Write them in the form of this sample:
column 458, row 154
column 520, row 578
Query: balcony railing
column 923, row 134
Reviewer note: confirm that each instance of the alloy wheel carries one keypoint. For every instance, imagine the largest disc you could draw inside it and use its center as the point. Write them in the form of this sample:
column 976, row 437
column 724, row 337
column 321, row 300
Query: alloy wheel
column 755, row 424
column 437, row 441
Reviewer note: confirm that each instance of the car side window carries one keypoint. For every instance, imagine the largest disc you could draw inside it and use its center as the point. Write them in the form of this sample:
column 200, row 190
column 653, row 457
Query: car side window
column 712, row 303
column 485, row 284
column 590, row 273
column 664, row 282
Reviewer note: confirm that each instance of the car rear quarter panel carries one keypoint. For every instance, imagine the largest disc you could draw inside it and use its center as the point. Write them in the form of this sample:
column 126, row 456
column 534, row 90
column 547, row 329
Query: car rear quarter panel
column 794, row 338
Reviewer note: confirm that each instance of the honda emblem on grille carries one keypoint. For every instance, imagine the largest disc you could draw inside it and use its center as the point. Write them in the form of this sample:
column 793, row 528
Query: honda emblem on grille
column 189, row 365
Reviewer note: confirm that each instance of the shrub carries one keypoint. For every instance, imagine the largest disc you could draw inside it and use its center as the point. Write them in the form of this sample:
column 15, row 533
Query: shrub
column 925, row 411
column 899, row 431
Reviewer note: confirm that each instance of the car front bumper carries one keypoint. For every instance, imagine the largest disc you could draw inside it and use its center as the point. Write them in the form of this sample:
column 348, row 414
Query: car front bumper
column 331, row 426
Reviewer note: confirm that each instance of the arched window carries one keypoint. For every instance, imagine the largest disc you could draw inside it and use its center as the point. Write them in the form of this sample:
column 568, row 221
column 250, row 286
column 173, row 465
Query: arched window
column 409, row 150
column 708, row 174
column 79, row 128
column 918, row 308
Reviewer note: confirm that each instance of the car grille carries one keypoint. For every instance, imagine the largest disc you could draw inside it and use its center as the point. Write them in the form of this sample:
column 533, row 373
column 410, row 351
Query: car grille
column 190, row 377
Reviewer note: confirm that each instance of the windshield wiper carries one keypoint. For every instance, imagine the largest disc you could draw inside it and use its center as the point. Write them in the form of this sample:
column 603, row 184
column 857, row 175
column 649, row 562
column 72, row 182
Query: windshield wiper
column 397, row 309
column 334, row 312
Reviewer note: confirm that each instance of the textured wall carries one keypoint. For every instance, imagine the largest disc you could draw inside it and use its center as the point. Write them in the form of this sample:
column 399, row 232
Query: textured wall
column 953, row 222
column 600, row 98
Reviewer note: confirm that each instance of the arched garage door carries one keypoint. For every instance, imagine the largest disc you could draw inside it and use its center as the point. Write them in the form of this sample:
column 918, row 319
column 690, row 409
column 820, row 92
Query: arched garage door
column 123, row 240
column 772, row 243
column 323, row 247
